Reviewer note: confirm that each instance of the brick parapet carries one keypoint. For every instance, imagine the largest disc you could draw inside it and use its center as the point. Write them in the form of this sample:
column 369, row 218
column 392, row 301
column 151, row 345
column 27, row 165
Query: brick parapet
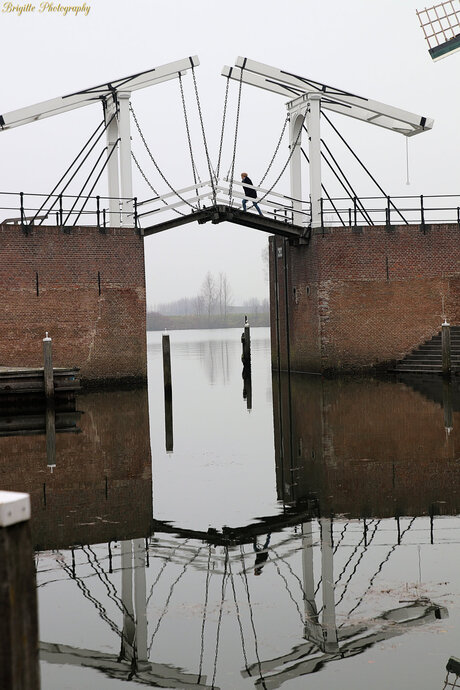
column 364, row 297
column 83, row 286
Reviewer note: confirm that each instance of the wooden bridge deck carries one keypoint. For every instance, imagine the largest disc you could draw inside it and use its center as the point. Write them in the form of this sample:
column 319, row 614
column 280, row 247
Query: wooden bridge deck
column 222, row 213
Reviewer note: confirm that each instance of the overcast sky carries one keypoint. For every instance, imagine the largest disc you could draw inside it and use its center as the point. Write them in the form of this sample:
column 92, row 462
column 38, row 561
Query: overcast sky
column 375, row 49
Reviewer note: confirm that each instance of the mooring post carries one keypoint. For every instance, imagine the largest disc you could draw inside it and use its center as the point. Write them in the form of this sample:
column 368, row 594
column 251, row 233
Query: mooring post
column 51, row 436
column 48, row 367
column 246, row 341
column 445, row 339
column 169, row 437
column 19, row 667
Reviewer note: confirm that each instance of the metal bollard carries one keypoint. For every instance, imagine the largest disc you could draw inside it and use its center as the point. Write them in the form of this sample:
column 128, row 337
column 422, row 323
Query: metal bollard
column 446, row 358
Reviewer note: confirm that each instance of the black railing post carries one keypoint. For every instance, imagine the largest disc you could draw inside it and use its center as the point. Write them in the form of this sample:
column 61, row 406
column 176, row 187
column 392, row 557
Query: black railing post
column 349, row 217
column 388, row 213
column 103, row 217
column 21, row 196
column 422, row 211
column 61, row 211
column 135, row 211
column 458, row 215
column 98, row 211
column 321, row 202
column 355, row 211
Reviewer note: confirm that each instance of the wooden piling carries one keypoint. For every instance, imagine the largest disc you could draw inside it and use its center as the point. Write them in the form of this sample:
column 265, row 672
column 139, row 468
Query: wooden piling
column 19, row 668
column 246, row 342
column 169, row 437
column 51, row 436
column 446, row 358
column 48, row 367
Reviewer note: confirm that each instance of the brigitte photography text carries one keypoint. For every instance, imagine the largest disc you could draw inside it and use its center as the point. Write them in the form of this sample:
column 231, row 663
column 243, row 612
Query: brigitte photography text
column 45, row 8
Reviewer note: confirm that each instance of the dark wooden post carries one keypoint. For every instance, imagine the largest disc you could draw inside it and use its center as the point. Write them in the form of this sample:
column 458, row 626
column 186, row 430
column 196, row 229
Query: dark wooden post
column 169, row 437
column 48, row 367
column 246, row 341
column 445, row 338
column 19, row 669
column 51, row 436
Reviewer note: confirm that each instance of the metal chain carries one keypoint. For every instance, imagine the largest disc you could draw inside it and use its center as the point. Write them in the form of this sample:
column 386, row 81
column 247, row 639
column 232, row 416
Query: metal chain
column 154, row 161
column 211, row 176
column 276, row 151
column 151, row 185
column 223, row 127
column 236, row 137
column 291, row 153
column 194, row 170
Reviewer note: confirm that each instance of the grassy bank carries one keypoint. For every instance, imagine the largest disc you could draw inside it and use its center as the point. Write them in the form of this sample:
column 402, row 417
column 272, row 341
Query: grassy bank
column 158, row 322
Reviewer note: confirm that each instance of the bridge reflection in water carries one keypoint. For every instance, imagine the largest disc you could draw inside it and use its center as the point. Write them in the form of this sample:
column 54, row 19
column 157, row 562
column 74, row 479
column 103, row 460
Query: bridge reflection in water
column 358, row 554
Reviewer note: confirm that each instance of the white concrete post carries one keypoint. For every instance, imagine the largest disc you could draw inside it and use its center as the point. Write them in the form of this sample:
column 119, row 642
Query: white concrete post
column 328, row 587
column 314, row 134
column 127, row 642
column 126, row 170
column 295, row 171
column 112, row 166
column 311, row 613
column 140, row 598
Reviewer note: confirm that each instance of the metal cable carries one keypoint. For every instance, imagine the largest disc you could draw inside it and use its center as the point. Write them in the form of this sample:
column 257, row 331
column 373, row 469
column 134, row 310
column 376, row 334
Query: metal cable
column 68, row 169
column 154, row 161
column 166, row 561
column 86, row 182
column 355, row 196
column 165, row 608
column 362, row 165
column 325, row 190
column 95, row 183
column 256, row 646
column 371, row 581
column 276, row 151
column 243, row 646
column 361, row 556
column 219, row 622
column 223, row 128
column 204, row 135
column 205, row 611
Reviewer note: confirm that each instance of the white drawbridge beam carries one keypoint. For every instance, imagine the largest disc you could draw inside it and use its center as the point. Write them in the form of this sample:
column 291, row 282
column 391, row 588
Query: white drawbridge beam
column 114, row 97
column 307, row 98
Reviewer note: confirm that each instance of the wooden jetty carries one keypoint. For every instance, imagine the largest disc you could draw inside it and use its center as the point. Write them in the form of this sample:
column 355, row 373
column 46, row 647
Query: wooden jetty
column 15, row 380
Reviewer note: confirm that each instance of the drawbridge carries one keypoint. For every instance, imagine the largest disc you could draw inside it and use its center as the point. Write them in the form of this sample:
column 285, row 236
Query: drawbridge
column 76, row 198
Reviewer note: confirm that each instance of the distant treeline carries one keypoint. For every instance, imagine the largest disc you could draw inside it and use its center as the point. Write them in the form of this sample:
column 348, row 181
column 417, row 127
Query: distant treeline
column 158, row 322
column 211, row 308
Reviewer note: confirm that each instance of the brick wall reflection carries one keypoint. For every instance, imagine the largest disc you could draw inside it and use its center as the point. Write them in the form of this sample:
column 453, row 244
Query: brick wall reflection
column 101, row 487
column 367, row 447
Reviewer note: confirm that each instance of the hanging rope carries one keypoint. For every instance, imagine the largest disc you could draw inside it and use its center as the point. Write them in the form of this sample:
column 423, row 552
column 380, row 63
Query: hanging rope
column 363, row 166
column 222, row 128
column 276, row 151
column 163, row 177
column 187, row 129
column 208, row 160
column 235, row 139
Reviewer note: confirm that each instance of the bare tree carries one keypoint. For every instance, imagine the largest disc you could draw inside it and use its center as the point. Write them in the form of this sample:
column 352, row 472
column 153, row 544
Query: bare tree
column 198, row 304
column 209, row 293
column 225, row 294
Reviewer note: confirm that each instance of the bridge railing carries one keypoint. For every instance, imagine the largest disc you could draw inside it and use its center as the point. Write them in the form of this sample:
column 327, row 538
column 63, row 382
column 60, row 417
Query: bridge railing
column 66, row 210
column 391, row 210
column 204, row 194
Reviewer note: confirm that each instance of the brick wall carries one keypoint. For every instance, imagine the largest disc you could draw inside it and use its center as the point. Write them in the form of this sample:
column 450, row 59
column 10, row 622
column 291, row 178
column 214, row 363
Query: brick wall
column 366, row 447
column 101, row 487
column 86, row 288
column 363, row 297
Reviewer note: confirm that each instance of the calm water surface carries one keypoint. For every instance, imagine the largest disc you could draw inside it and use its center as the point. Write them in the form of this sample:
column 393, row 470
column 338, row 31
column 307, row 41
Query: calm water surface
column 305, row 535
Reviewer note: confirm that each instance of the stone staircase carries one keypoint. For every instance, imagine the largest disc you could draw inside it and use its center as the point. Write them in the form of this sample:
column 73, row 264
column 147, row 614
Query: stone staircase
column 427, row 359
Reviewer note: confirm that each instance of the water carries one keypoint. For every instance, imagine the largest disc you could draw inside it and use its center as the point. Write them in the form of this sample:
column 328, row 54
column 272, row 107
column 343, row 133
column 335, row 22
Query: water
column 310, row 541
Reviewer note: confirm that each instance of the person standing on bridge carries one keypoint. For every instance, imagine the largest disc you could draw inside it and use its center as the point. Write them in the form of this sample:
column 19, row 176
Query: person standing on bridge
column 249, row 192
